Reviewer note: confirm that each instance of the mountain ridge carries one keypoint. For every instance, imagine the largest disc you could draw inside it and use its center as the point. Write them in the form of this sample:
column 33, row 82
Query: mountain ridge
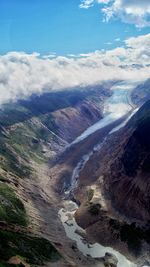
column 29, row 140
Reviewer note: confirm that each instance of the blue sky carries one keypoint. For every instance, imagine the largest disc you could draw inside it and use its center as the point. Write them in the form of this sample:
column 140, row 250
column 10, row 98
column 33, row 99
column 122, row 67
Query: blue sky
column 59, row 26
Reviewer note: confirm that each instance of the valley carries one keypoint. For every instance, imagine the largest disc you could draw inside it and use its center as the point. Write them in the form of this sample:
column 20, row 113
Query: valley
column 30, row 141
column 103, row 128
column 74, row 133
column 55, row 156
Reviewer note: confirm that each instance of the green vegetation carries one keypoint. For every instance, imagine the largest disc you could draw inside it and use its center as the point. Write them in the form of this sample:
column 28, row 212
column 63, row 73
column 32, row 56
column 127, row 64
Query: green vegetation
column 13, row 113
column 12, row 210
column 23, row 142
column 25, row 131
column 37, row 105
column 9, row 160
column 33, row 119
column 28, row 117
column 33, row 249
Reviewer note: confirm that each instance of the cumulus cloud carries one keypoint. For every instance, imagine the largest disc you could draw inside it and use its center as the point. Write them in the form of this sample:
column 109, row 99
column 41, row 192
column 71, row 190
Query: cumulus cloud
column 129, row 11
column 22, row 74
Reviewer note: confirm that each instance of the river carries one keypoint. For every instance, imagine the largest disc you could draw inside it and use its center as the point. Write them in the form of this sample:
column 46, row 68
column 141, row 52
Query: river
column 118, row 105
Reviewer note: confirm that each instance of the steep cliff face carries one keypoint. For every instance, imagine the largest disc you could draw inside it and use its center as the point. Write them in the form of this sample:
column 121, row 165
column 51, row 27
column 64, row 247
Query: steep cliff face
column 114, row 189
column 124, row 163
column 129, row 179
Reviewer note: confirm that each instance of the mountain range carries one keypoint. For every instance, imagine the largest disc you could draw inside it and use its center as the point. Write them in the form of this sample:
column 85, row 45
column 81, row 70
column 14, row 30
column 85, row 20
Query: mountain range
column 36, row 166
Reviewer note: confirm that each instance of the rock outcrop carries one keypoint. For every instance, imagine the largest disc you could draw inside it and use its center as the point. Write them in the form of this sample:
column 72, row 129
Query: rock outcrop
column 118, row 175
column 32, row 133
column 129, row 172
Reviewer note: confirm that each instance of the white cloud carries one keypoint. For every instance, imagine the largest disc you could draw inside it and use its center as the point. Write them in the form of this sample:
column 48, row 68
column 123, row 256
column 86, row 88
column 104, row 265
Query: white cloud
column 139, row 48
column 89, row 3
column 129, row 11
column 23, row 74
column 86, row 4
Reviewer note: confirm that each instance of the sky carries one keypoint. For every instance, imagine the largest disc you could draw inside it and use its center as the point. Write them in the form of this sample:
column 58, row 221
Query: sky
column 61, row 44
column 64, row 26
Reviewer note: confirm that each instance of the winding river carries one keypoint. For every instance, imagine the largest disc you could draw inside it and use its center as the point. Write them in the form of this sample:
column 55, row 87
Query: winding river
column 118, row 105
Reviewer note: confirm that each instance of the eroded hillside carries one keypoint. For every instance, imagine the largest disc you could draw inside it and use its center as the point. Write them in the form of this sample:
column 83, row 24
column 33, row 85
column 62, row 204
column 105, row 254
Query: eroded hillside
column 114, row 189
column 32, row 133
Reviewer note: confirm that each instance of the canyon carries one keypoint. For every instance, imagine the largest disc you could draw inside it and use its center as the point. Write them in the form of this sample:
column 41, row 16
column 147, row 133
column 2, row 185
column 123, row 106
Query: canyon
column 80, row 154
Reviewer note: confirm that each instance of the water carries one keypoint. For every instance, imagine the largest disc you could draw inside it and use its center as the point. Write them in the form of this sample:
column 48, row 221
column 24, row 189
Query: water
column 94, row 250
column 118, row 105
column 80, row 166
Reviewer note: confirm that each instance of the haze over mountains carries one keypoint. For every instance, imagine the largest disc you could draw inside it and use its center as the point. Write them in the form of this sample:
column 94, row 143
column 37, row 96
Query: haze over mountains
column 24, row 74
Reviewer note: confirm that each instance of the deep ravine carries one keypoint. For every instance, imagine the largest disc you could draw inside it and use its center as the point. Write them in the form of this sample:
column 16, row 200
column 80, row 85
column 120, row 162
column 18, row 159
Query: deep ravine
column 116, row 107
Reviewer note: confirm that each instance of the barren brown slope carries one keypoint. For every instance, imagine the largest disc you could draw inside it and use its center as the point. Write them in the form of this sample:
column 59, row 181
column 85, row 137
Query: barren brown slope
column 30, row 139
column 115, row 205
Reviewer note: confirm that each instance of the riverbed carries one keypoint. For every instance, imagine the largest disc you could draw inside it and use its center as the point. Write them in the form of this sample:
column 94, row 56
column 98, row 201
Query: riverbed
column 76, row 233
column 118, row 105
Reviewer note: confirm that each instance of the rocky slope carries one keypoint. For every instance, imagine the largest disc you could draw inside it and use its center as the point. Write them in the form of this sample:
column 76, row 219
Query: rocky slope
column 114, row 190
column 130, row 170
column 70, row 112
column 141, row 93
column 32, row 133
